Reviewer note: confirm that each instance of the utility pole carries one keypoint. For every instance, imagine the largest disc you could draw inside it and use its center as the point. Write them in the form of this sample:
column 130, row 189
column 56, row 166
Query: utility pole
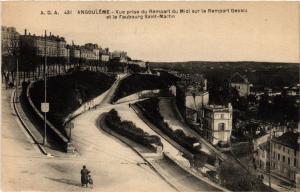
column 45, row 94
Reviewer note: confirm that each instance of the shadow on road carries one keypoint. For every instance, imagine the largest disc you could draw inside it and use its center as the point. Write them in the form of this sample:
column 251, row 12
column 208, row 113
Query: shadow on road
column 66, row 181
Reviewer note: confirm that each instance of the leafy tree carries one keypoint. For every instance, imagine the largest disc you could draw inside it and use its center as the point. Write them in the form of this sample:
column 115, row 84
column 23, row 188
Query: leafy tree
column 237, row 179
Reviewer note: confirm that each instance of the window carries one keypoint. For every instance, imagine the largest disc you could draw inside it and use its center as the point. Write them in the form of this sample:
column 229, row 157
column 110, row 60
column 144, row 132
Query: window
column 278, row 157
column 289, row 161
column 295, row 162
column 221, row 126
column 288, row 151
column 283, row 158
column 283, row 148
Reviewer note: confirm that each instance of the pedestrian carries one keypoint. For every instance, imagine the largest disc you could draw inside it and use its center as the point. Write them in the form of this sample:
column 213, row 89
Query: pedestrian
column 84, row 176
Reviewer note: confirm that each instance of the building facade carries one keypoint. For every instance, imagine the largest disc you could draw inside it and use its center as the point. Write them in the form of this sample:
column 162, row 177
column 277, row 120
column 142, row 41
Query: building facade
column 241, row 84
column 9, row 41
column 104, row 55
column 217, row 123
column 285, row 156
column 53, row 46
column 261, row 157
column 191, row 97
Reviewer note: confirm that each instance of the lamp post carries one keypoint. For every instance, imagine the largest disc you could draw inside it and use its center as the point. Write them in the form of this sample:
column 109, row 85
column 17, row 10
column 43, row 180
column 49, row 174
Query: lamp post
column 17, row 80
column 44, row 107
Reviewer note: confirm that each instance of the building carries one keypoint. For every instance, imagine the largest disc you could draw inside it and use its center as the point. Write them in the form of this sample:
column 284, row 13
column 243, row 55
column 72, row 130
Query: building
column 90, row 53
column 104, row 55
column 191, row 97
column 10, row 44
column 9, row 41
column 241, row 84
column 53, row 46
column 217, row 123
column 261, row 157
column 74, row 54
column 285, row 156
column 121, row 56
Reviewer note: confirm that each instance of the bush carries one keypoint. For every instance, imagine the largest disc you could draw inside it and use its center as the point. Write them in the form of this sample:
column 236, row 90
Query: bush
column 129, row 130
column 150, row 110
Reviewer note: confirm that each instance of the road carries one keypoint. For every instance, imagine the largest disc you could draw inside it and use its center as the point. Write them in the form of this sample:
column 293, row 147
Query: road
column 113, row 165
column 181, row 179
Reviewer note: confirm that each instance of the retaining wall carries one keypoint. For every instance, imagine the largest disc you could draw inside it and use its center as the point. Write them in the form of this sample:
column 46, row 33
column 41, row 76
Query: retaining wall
column 51, row 129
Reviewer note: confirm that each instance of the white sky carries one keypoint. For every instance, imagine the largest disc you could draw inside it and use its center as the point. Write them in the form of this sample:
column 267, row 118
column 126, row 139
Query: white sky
column 267, row 32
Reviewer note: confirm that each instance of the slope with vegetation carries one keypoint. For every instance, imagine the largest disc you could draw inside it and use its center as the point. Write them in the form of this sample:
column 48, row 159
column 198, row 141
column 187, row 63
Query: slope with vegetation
column 66, row 93
column 139, row 82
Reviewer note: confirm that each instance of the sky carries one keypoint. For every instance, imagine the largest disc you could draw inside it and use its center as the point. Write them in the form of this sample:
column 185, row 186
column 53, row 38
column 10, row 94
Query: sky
column 268, row 31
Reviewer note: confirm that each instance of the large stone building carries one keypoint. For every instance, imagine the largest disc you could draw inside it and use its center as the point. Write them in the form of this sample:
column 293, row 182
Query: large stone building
column 104, row 55
column 241, row 84
column 285, row 156
column 9, row 50
column 52, row 46
column 9, row 41
column 217, row 123
column 90, row 52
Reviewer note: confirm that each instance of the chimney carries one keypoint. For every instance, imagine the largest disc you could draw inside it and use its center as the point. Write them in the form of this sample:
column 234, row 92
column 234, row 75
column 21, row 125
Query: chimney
column 50, row 34
column 25, row 32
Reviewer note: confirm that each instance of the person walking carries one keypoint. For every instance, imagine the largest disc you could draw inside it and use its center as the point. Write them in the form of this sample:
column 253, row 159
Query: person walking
column 84, row 176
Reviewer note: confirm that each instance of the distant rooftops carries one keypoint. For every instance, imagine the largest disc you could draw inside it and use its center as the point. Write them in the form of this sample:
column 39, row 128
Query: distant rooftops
column 9, row 29
column 238, row 78
column 49, row 37
column 289, row 139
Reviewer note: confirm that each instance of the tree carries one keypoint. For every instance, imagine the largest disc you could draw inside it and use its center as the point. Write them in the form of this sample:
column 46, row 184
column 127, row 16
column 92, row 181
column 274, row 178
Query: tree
column 10, row 53
column 236, row 178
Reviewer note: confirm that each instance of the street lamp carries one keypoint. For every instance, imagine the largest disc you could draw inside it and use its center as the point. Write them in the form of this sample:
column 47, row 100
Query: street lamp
column 45, row 105
column 17, row 80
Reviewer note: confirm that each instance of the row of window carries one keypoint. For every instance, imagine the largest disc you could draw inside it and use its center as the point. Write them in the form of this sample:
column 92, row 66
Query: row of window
column 286, row 171
column 284, row 160
column 283, row 148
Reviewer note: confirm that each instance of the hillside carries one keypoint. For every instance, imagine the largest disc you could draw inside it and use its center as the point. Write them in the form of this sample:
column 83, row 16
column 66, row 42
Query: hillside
column 139, row 82
column 66, row 93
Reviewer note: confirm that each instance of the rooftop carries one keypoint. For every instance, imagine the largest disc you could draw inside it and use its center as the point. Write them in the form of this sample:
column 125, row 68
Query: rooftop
column 217, row 108
column 289, row 139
